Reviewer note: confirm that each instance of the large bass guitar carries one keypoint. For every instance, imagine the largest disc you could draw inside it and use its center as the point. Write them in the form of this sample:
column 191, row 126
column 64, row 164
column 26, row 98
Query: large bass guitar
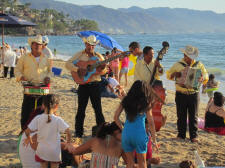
column 159, row 90
column 93, row 66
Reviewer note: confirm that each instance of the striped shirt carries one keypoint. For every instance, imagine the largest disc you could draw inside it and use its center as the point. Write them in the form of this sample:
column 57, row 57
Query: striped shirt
column 99, row 160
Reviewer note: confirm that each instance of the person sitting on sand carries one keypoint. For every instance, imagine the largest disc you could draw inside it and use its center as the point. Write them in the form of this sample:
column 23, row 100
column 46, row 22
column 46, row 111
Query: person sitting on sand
column 48, row 126
column 105, row 147
column 106, row 89
column 117, row 88
column 215, row 115
column 110, row 87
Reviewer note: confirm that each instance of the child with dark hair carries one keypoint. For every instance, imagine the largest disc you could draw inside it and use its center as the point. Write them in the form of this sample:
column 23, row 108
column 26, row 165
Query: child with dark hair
column 48, row 127
column 210, row 86
column 107, row 129
column 105, row 148
column 137, row 105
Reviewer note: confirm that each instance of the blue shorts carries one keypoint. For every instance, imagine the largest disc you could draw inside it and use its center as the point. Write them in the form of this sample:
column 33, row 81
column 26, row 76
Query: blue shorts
column 134, row 142
column 124, row 70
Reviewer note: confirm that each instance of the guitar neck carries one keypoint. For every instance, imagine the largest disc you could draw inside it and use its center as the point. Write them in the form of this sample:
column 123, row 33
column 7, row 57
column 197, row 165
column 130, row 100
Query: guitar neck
column 162, row 52
column 153, row 73
column 109, row 59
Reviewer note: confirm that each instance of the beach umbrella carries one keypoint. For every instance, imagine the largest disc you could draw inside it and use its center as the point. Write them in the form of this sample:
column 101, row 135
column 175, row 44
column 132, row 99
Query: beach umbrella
column 105, row 41
column 7, row 20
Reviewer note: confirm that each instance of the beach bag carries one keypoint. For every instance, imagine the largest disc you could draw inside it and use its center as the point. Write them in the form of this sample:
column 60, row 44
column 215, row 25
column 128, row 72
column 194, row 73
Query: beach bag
column 201, row 123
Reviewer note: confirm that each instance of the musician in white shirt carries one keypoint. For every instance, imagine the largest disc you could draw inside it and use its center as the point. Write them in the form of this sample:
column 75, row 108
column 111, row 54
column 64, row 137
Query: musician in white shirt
column 46, row 51
column 144, row 68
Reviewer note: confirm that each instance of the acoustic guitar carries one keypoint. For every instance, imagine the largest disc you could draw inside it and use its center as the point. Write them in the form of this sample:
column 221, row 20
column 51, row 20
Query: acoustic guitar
column 93, row 66
column 159, row 90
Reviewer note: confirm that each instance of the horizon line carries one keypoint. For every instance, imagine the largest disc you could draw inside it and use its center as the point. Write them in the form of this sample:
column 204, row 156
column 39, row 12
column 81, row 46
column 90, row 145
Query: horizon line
column 203, row 10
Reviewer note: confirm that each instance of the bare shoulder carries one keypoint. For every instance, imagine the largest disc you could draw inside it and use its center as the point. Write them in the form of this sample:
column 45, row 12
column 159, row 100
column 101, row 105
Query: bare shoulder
column 116, row 142
column 94, row 141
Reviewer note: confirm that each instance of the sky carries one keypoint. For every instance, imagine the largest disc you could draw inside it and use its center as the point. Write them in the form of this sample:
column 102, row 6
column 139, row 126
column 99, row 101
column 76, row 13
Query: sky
column 217, row 6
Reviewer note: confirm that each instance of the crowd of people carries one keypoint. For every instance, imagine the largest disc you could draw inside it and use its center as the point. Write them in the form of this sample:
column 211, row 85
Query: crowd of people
column 11, row 57
column 134, row 140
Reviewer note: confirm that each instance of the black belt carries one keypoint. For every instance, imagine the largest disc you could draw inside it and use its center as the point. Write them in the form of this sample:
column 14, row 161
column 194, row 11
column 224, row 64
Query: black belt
column 187, row 92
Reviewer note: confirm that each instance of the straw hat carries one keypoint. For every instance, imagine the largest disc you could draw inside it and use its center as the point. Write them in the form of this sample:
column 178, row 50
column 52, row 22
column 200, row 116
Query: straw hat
column 91, row 40
column 36, row 39
column 190, row 51
column 7, row 46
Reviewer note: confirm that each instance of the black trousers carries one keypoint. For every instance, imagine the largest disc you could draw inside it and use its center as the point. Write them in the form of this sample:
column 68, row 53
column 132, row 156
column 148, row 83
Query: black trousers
column 28, row 106
column 84, row 92
column 187, row 105
column 6, row 71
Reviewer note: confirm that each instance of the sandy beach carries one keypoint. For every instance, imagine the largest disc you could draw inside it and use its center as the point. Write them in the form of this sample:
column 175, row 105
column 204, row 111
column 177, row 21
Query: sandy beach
column 211, row 147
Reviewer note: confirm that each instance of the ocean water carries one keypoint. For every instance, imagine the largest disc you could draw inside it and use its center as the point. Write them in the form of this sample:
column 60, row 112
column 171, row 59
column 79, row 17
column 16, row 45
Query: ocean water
column 211, row 49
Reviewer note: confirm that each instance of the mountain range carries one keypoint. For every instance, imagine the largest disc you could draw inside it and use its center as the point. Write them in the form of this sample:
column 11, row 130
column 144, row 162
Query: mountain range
column 138, row 20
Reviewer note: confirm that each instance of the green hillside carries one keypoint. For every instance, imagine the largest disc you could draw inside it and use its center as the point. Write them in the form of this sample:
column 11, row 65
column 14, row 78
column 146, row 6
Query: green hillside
column 49, row 21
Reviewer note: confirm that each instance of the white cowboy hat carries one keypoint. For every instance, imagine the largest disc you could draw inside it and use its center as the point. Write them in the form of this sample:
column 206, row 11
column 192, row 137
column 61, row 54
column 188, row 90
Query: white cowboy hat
column 190, row 51
column 45, row 39
column 91, row 40
column 36, row 39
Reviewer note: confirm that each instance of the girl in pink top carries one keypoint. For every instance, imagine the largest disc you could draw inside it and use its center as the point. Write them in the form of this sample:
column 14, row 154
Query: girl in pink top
column 124, row 69
column 114, row 65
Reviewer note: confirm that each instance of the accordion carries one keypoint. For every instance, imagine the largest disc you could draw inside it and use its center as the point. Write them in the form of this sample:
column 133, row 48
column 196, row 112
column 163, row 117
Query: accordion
column 190, row 78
